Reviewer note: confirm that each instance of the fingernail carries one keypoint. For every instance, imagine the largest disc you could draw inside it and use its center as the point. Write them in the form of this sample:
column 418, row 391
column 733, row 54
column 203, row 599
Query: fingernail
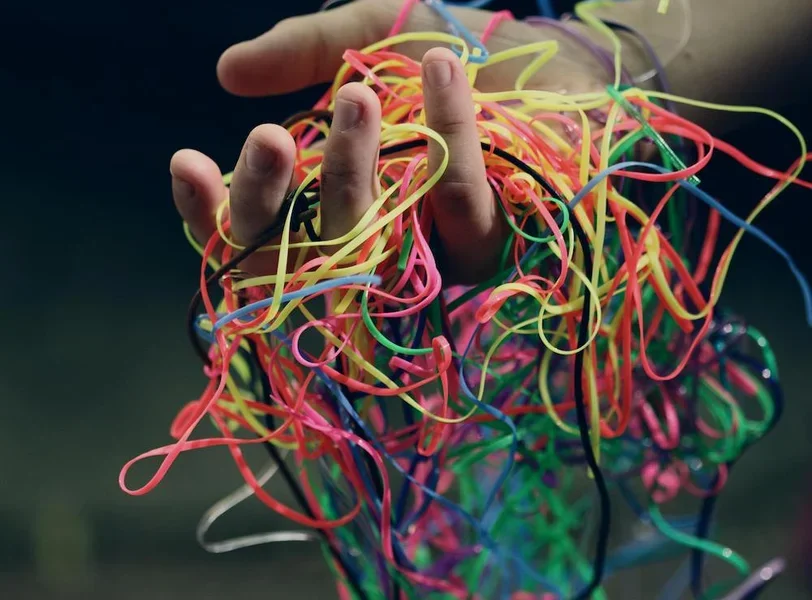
column 181, row 188
column 347, row 114
column 438, row 73
column 259, row 159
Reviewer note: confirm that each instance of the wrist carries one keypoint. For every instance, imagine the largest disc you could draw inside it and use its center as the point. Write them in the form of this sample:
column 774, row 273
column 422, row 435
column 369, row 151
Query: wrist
column 646, row 36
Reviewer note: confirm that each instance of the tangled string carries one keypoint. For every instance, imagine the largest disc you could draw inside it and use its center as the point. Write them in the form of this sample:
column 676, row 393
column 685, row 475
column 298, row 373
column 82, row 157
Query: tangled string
column 467, row 442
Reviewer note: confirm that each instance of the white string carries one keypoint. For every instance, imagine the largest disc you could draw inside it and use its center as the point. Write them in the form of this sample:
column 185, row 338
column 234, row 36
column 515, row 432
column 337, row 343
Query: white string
column 685, row 37
column 233, row 499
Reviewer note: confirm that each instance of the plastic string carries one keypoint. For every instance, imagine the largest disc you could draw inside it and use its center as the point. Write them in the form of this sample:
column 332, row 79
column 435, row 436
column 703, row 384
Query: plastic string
column 449, row 442
column 231, row 501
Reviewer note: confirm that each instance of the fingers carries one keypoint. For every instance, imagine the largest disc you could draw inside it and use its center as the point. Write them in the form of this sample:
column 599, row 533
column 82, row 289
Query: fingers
column 261, row 181
column 466, row 215
column 349, row 178
column 197, row 189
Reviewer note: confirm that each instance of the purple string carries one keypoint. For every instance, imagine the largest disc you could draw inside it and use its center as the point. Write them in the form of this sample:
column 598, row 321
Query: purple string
column 659, row 68
column 602, row 55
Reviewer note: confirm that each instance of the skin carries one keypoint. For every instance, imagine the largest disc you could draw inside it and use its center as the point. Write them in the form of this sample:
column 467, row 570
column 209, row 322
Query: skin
column 740, row 52
column 468, row 221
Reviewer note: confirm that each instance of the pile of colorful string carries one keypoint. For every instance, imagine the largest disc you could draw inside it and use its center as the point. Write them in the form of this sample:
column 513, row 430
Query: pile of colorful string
column 468, row 442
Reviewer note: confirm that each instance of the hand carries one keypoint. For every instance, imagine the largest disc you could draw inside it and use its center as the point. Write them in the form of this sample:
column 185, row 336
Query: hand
column 469, row 223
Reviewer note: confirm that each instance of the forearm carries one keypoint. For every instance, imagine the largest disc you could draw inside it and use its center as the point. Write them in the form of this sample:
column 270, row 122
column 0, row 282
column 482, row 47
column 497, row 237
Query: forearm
column 743, row 52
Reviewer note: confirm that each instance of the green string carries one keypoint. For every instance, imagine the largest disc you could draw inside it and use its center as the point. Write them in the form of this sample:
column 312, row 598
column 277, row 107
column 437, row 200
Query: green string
column 650, row 131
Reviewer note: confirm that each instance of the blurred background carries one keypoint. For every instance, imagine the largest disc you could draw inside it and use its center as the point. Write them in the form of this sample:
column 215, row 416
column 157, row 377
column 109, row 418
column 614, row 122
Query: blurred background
column 94, row 362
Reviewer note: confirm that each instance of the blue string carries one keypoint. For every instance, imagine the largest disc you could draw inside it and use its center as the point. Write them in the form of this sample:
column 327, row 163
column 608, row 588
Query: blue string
column 457, row 28
column 546, row 9
column 432, row 482
column 719, row 207
column 322, row 286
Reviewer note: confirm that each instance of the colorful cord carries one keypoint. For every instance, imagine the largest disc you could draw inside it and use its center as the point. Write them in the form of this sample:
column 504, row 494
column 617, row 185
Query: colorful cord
column 468, row 442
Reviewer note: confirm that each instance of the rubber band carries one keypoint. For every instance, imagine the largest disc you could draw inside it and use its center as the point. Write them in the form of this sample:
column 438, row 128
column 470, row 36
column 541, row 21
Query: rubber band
column 231, row 501
column 468, row 442
column 480, row 52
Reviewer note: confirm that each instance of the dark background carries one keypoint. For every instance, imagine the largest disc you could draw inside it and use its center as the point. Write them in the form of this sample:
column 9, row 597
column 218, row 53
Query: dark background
column 93, row 359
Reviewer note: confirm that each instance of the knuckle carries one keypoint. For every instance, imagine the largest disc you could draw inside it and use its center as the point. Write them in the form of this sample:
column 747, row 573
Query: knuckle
column 338, row 172
column 246, row 205
column 457, row 197
column 451, row 124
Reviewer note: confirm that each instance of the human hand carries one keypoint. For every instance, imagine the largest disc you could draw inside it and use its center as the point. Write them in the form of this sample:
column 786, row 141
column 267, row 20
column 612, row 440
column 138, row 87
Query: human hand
column 468, row 221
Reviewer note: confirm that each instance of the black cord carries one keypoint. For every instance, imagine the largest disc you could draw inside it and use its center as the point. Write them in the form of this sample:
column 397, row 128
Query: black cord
column 604, row 526
column 331, row 4
column 294, row 486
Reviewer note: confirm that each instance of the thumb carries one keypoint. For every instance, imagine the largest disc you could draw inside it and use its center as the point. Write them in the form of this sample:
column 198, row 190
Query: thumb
column 304, row 50
column 307, row 50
